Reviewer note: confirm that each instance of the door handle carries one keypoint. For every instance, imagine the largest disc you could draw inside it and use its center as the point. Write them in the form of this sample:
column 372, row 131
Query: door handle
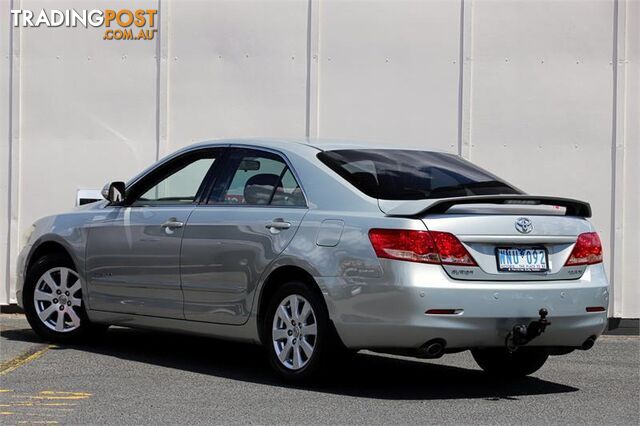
column 172, row 223
column 278, row 224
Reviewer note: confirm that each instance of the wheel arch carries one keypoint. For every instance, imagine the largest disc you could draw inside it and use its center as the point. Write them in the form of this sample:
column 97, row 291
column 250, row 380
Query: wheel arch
column 45, row 247
column 275, row 279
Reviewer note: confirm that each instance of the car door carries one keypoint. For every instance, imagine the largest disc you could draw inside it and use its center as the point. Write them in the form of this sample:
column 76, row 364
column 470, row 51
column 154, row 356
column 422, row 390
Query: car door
column 133, row 251
column 252, row 214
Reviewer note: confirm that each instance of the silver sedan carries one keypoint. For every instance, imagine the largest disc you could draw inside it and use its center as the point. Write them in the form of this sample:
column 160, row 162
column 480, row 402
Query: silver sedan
column 319, row 249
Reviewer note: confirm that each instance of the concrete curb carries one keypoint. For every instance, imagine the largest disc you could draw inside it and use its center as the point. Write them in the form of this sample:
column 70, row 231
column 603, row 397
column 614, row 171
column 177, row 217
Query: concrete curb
column 11, row 309
column 623, row 327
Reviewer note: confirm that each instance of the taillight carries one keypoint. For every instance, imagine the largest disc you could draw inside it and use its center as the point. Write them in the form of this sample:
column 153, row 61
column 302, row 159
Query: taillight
column 420, row 246
column 451, row 250
column 587, row 251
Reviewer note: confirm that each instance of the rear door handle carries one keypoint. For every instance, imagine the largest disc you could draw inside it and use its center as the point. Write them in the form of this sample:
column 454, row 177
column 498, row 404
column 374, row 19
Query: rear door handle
column 172, row 223
column 278, row 224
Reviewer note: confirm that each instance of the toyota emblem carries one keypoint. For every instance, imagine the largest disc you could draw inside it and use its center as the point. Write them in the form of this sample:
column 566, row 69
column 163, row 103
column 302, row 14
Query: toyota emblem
column 524, row 225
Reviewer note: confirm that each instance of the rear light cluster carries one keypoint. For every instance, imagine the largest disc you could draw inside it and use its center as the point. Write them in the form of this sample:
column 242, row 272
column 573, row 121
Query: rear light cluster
column 587, row 251
column 420, row 246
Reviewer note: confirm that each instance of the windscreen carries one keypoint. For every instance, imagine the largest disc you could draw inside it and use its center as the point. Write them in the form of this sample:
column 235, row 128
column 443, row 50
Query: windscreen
column 392, row 174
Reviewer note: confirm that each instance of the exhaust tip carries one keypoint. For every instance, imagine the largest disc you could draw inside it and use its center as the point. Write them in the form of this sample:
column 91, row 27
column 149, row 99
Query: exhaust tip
column 588, row 344
column 433, row 348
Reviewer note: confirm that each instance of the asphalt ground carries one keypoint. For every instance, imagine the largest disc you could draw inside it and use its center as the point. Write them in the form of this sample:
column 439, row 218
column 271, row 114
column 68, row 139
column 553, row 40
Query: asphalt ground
column 143, row 377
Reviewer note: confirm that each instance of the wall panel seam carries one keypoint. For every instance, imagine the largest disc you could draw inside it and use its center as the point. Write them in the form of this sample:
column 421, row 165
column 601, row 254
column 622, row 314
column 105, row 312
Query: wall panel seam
column 161, row 82
column 6, row 289
column 14, row 152
column 617, row 140
column 312, row 94
column 465, row 78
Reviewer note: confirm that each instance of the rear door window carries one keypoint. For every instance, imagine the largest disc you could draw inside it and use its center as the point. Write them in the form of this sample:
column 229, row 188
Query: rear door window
column 257, row 178
column 413, row 175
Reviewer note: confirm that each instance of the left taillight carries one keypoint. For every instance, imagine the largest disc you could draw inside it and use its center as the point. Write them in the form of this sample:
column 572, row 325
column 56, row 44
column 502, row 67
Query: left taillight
column 587, row 250
column 420, row 246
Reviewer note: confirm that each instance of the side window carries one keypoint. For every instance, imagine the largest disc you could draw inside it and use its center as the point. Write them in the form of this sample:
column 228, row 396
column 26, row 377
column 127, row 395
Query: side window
column 288, row 193
column 261, row 180
column 179, row 184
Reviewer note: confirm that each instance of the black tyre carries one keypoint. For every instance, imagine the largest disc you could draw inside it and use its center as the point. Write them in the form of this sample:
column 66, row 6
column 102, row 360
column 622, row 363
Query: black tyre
column 297, row 332
column 53, row 301
column 499, row 362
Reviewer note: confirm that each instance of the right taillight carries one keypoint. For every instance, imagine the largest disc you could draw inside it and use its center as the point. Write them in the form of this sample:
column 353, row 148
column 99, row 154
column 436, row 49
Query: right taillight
column 420, row 246
column 587, row 251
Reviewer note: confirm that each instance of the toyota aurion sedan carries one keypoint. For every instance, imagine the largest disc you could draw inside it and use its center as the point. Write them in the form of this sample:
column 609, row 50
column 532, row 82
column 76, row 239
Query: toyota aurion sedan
column 318, row 249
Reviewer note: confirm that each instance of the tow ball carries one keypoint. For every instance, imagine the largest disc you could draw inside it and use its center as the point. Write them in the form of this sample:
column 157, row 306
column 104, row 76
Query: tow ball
column 521, row 334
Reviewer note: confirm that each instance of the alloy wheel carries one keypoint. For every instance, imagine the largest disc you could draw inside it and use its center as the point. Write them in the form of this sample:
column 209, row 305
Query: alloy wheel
column 294, row 332
column 58, row 300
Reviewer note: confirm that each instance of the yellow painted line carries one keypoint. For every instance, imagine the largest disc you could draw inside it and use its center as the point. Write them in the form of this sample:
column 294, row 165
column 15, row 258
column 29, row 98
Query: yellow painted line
column 48, row 395
column 56, row 404
column 23, row 358
column 65, row 393
column 5, row 390
column 38, row 404
column 6, row 413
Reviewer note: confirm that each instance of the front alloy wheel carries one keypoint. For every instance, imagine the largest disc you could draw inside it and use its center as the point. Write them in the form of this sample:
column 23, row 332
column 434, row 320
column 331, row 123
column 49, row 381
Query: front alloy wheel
column 57, row 299
column 52, row 297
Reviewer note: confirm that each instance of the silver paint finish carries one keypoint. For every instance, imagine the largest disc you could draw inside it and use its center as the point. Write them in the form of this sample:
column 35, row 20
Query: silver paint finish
column 133, row 260
column 481, row 234
column 330, row 232
column 207, row 276
column 225, row 251
column 389, row 311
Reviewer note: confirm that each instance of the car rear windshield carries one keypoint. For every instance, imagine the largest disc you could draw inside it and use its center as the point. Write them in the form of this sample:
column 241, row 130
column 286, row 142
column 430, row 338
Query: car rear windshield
column 393, row 174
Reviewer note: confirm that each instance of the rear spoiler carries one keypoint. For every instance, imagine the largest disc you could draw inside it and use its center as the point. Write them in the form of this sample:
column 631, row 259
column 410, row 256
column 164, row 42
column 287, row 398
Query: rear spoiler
column 441, row 205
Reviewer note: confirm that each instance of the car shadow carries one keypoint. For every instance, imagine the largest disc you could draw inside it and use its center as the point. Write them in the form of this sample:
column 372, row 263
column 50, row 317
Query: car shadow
column 365, row 375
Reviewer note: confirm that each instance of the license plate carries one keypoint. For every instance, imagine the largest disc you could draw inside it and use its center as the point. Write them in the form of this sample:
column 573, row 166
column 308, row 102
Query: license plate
column 516, row 259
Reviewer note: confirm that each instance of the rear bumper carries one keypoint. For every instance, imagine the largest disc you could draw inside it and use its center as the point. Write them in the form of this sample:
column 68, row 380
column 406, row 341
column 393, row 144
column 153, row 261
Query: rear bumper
column 389, row 312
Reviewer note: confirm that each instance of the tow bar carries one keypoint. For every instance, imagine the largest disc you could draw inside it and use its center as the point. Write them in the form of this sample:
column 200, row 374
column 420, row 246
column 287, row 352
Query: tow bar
column 522, row 334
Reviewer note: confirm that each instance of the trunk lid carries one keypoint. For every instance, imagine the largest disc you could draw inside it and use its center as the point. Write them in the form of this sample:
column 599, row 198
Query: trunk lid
column 486, row 224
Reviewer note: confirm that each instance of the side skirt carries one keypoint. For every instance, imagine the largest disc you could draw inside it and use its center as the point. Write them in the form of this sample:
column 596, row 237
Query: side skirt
column 247, row 332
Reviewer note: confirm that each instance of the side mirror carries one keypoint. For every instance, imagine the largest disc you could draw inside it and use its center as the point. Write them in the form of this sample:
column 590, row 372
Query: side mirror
column 114, row 192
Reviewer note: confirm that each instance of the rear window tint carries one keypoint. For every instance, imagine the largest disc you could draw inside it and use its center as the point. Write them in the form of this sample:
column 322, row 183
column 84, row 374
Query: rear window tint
column 392, row 174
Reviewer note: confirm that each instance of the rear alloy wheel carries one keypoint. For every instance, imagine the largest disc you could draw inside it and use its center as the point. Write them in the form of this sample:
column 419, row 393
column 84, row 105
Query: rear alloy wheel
column 294, row 332
column 297, row 331
column 53, row 301
column 499, row 362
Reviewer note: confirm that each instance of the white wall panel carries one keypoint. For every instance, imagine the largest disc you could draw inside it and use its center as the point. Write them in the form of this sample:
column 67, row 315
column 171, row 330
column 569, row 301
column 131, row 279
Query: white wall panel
column 629, row 287
column 236, row 68
column 542, row 98
column 389, row 70
column 535, row 101
column 88, row 110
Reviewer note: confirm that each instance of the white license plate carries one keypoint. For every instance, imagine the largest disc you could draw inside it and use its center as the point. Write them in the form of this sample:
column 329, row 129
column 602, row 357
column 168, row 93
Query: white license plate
column 515, row 259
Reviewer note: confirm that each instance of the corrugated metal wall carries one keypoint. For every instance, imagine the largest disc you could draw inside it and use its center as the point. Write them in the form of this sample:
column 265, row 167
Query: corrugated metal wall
column 543, row 93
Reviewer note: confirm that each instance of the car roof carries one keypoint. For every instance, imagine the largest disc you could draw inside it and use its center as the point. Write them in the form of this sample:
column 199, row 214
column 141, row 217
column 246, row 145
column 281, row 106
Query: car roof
column 303, row 144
